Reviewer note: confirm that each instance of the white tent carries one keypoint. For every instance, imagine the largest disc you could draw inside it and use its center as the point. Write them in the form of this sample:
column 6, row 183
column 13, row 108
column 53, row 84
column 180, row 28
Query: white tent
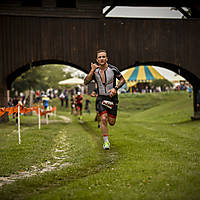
column 176, row 78
column 72, row 81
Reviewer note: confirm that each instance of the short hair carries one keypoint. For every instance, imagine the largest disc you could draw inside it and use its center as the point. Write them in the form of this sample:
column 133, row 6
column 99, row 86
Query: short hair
column 101, row 50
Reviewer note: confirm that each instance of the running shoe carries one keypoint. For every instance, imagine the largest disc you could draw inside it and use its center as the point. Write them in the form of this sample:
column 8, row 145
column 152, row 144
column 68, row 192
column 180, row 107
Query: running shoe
column 106, row 145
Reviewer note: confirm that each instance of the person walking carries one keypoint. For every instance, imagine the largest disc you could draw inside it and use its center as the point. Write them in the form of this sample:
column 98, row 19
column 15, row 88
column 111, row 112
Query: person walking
column 105, row 76
column 66, row 97
column 62, row 98
column 15, row 103
column 73, row 105
column 190, row 90
column 87, row 105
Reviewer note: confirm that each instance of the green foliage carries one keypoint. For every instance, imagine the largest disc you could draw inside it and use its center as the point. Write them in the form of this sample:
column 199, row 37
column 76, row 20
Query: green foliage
column 40, row 78
column 162, row 83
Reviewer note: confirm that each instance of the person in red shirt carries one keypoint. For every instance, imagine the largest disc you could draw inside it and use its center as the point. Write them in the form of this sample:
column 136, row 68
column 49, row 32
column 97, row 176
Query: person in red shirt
column 79, row 104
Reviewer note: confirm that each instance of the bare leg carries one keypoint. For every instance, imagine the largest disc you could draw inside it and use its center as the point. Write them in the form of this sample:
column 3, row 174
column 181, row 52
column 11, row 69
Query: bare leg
column 98, row 119
column 104, row 127
column 81, row 114
column 104, row 130
column 111, row 120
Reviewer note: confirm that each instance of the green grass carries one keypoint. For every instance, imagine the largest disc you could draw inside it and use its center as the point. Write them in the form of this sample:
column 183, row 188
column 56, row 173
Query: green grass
column 154, row 153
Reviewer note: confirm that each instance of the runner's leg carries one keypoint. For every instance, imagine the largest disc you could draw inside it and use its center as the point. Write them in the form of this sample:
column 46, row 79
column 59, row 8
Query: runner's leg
column 112, row 114
column 81, row 106
column 104, row 130
column 104, row 127
column 98, row 120
column 111, row 119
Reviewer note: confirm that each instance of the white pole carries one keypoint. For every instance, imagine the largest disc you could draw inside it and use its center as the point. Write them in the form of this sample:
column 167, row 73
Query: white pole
column 39, row 117
column 47, row 118
column 19, row 124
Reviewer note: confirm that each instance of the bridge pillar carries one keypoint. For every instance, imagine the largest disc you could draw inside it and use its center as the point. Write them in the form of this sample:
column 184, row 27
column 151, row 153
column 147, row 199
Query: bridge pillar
column 196, row 94
column 3, row 100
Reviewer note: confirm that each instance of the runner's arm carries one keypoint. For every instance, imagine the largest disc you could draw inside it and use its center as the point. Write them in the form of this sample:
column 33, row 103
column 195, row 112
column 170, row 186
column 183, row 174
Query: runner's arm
column 113, row 91
column 122, row 81
column 89, row 77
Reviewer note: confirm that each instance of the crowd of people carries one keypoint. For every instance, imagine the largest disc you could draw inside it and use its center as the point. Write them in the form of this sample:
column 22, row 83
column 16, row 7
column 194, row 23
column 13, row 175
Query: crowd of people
column 148, row 88
column 69, row 98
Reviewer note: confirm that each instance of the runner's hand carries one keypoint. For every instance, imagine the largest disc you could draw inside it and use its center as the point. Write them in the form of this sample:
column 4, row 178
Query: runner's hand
column 112, row 92
column 94, row 66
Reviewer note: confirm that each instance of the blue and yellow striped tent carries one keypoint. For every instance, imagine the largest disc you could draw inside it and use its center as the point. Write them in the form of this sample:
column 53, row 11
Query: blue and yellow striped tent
column 141, row 74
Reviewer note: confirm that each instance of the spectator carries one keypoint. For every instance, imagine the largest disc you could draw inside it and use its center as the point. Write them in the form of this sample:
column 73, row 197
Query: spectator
column 66, row 97
column 87, row 105
column 190, row 90
column 45, row 101
column 37, row 96
column 73, row 105
column 62, row 98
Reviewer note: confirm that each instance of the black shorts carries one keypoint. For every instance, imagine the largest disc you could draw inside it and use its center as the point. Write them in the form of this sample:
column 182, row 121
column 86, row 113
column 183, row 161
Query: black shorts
column 79, row 106
column 97, row 106
column 103, row 109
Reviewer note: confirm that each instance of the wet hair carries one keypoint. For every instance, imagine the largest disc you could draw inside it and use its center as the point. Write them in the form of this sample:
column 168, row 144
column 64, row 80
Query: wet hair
column 101, row 50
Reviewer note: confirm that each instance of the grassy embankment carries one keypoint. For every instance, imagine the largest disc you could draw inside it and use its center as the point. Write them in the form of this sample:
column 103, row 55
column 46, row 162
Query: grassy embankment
column 154, row 153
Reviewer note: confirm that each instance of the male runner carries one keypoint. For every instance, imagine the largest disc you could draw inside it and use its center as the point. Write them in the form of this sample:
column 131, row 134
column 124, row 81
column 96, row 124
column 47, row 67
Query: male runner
column 79, row 104
column 105, row 76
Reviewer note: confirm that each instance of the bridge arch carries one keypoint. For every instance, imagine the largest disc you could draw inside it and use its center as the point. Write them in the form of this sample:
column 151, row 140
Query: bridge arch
column 33, row 38
column 28, row 66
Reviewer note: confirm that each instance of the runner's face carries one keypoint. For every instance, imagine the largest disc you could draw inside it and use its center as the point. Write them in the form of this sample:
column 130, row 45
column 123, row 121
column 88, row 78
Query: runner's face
column 102, row 58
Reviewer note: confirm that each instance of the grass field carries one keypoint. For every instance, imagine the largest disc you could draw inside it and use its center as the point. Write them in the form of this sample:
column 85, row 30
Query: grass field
column 154, row 155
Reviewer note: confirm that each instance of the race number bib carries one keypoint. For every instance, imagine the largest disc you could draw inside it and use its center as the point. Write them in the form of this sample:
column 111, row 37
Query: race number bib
column 108, row 104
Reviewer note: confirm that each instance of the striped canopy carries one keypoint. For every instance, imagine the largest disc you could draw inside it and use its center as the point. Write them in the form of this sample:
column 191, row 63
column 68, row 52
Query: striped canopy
column 141, row 74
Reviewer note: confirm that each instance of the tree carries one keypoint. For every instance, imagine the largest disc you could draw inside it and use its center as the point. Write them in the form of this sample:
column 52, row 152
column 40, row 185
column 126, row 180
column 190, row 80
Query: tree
column 163, row 83
column 40, row 78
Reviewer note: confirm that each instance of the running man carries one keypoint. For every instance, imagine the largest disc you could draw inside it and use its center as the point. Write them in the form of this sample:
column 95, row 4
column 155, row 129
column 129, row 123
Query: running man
column 105, row 76
column 79, row 104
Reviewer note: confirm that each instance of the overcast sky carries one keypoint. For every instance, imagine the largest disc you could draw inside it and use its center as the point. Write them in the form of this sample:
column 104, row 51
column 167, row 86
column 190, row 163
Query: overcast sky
column 143, row 12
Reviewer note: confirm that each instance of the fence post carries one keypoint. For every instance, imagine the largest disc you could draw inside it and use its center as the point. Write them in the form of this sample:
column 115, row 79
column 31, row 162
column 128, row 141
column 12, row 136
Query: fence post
column 19, row 124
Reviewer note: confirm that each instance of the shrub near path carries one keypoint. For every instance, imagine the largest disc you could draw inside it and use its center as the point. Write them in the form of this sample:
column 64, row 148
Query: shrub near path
column 154, row 154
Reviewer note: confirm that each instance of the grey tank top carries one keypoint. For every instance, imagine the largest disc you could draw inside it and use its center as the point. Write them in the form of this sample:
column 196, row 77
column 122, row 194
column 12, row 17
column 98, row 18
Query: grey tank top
column 111, row 74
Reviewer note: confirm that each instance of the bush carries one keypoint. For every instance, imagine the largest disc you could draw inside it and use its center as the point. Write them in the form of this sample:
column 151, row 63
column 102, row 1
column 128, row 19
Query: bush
column 163, row 83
